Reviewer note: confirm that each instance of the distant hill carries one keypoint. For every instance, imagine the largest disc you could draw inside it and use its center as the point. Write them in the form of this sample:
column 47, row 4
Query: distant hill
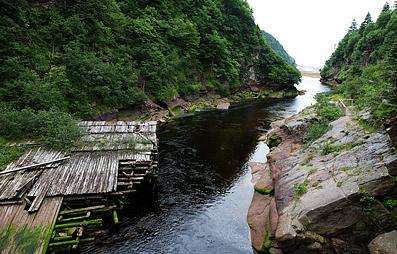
column 278, row 48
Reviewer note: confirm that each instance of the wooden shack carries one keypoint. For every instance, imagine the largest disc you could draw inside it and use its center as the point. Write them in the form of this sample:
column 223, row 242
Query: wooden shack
column 51, row 199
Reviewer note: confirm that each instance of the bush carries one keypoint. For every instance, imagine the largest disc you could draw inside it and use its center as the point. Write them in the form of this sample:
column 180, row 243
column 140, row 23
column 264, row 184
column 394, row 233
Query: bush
column 326, row 113
column 8, row 154
column 315, row 131
column 300, row 189
column 54, row 128
column 326, row 110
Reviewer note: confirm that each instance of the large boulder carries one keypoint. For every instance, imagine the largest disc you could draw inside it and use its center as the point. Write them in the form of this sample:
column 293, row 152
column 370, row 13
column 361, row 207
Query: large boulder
column 384, row 244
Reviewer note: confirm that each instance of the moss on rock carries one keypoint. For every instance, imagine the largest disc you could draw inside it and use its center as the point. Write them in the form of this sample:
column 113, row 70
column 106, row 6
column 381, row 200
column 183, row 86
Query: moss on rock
column 273, row 140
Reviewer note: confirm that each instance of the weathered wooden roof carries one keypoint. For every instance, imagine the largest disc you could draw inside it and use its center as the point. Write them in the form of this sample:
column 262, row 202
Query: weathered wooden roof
column 12, row 185
column 32, row 188
column 92, row 166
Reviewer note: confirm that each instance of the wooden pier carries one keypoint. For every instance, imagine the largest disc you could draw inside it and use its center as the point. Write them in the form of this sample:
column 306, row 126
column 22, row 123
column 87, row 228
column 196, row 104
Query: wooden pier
column 53, row 199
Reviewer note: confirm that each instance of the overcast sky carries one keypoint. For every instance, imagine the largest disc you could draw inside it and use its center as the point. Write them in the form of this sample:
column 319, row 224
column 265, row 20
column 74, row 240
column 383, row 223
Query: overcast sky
column 310, row 29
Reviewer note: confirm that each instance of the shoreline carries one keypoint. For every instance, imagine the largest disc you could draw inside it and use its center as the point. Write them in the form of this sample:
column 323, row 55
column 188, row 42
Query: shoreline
column 151, row 111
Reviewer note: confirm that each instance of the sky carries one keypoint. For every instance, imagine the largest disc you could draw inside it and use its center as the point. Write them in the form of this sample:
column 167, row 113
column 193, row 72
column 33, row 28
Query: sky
column 309, row 30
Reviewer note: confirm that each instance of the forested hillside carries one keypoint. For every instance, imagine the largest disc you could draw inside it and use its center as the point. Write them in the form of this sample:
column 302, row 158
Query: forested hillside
column 364, row 65
column 278, row 48
column 62, row 60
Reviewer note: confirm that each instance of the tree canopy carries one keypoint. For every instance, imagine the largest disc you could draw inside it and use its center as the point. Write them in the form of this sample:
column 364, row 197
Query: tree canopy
column 85, row 57
column 365, row 64
column 278, row 48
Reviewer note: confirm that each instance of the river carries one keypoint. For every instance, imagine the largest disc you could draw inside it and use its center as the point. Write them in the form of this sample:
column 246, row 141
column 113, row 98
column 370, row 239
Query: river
column 204, row 185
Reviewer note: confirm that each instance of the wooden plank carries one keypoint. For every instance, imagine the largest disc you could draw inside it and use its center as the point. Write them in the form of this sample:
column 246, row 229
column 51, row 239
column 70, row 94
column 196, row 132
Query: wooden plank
column 34, row 166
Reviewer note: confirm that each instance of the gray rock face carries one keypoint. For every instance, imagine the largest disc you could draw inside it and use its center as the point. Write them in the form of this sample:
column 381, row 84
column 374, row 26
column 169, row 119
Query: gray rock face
column 384, row 244
column 330, row 187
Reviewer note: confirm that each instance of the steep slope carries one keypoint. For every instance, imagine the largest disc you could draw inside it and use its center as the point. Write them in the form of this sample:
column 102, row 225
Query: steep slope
column 112, row 54
column 278, row 48
column 365, row 67
column 82, row 58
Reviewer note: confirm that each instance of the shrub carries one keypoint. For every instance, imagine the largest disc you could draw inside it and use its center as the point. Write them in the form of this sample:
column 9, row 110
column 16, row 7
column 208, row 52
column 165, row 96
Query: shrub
column 300, row 189
column 315, row 131
column 54, row 128
column 326, row 110
column 8, row 154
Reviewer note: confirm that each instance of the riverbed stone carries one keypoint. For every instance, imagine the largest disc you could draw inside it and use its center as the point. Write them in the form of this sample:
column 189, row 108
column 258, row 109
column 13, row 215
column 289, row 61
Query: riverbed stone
column 384, row 244
column 223, row 105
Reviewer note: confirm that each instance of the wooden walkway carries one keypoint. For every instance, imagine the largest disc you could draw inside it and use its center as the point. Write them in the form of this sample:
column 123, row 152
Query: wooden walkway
column 33, row 187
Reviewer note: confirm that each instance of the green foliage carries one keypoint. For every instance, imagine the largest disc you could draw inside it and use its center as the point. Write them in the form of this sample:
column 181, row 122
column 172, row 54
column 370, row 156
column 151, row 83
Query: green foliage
column 88, row 57
column 54, row 128
column 274, row 140
column 315, row 131
column 325, row 109
column 372, row 90
column 390, row 203
column 300, row 189
column 272, row 69
column 326, row 113
column 8, row 154
column 329, row 147
column 365, row 64
column 367, row 201
column 264, row 191
column 278, row 48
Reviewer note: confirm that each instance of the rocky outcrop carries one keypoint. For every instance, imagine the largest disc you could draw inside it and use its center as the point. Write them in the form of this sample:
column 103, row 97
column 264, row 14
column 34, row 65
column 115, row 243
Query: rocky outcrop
column 328, row 194
column 384, row 244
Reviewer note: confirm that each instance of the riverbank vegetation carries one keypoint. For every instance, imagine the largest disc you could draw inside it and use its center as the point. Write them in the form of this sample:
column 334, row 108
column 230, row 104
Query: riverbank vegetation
column 326, row 112
column 67, row 60
column 364, row 67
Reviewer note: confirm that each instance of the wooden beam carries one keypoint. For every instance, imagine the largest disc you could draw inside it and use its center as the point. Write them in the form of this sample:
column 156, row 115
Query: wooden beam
column 79, row 224
column 33, row 166
column 80, row 210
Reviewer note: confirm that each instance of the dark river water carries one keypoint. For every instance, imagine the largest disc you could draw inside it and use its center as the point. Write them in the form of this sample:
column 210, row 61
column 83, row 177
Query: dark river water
column 204, row 185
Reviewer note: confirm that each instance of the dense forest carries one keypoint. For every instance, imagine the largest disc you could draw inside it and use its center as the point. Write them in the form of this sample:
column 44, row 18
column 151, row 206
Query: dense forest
column 73, row 59
column 278, row 48
column 364, row 66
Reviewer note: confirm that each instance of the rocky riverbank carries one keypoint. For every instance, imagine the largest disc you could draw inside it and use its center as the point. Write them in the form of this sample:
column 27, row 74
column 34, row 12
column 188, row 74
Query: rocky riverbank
column 334, row 195
column 163, row 111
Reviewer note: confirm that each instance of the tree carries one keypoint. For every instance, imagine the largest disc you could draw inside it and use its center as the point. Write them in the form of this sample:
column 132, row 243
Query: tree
column 386, row 7
column 366, row 22
column 353, row 26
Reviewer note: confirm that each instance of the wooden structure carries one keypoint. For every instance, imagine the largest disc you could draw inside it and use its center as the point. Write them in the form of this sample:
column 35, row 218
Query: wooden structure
column 41, row 193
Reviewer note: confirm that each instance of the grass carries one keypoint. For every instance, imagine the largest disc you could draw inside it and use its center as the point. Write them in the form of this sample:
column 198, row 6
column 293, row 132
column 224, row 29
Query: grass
column 8, row 154
column 326, row 112
column 329, row 148
column 316, row 130
column 367, row 126
column 367, row 202
column 300, row 189
column 390, row 203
